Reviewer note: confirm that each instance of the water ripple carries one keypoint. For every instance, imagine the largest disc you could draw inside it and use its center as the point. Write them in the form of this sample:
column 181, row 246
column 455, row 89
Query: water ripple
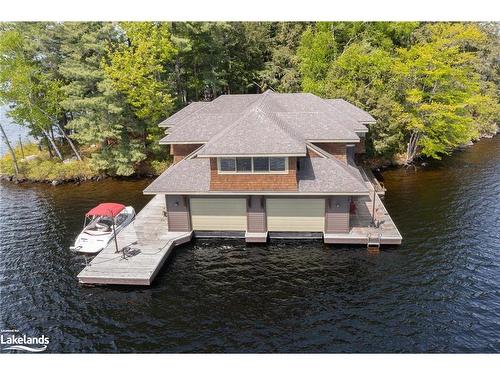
column 438, row 292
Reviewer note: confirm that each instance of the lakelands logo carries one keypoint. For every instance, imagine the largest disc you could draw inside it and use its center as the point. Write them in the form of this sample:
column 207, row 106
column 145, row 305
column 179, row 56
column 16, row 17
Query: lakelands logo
column 13, row 340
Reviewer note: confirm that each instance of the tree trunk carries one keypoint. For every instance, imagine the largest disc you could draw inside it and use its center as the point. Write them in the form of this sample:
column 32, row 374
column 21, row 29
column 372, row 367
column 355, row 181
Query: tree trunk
column 180, row 90
column 70, row 142
column 411, row 150
column 51, row 154
column 53, row 144
column 13, row 154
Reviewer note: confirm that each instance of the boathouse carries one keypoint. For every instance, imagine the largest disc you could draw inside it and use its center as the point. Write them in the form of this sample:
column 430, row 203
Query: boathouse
column 254, row 167
column 272, row 165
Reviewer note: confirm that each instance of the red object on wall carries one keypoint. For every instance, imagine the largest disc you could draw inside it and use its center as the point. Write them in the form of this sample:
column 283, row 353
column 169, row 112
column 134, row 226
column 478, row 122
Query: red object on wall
column 352, row 207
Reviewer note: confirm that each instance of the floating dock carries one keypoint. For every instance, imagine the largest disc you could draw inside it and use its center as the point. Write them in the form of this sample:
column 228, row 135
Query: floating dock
column 144, row 247
column 362, row 229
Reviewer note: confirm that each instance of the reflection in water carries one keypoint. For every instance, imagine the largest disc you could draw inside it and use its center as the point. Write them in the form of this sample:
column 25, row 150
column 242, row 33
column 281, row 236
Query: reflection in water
column 438, row 292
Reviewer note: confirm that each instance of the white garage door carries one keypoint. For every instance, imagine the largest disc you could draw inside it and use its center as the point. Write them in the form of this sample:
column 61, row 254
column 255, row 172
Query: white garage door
column 219, row 214
column 295, row 215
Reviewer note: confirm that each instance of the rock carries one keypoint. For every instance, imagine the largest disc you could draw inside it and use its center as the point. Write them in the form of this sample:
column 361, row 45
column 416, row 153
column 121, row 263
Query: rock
column 424, row 164
column 56, row 182
column 30, row 158
column 66, row 161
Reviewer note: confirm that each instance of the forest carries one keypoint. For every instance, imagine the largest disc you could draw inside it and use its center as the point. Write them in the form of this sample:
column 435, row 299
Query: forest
column 93, row 93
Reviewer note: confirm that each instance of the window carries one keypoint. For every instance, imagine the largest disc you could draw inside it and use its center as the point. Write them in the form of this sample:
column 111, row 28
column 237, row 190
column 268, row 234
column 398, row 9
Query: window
column 244, row 164
column 227, row 164
column 277, row 164
column 259, row 164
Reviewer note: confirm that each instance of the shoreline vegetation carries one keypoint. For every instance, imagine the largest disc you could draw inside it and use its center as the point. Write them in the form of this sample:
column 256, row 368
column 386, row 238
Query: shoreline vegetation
column 35, row 166
column 91, row 94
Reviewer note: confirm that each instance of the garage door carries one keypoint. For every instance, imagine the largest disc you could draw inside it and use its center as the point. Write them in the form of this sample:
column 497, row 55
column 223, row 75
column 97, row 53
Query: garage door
column 219, row 214
column 295, row 215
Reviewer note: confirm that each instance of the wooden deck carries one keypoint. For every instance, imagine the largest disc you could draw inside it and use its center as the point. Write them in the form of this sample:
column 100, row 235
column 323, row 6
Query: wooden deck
column 144, row 246
column 372, row 181
column 361, row 227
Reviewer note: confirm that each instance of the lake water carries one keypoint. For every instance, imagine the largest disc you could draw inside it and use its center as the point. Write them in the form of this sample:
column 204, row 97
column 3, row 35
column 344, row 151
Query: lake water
column 15, row 133
column 437, row 292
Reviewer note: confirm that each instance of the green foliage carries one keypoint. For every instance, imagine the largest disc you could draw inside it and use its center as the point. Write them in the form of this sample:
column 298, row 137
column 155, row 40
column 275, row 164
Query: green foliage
column 363, row 75
column 137, row 69
column 437, row 81
column 217, row 57
column 159, row 166
column 38, row 166
column 316, row 52
column 281, row 71
column 33, row 94
column 431, row 86
column 99, row 113
column 426, row 84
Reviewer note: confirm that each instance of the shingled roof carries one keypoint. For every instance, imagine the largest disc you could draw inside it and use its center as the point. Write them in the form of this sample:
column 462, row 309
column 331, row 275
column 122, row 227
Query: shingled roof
column 181, row 114
column 329, row 175
column 255, row 133
column 315, row 176
column 351, row 110
column 235, row 121
column 265, row 124
column 190, row 175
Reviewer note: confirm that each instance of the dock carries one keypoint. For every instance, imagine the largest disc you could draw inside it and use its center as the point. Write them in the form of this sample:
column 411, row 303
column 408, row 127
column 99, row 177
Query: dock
column 372, row 181
column 362, row 229
column 144, row 246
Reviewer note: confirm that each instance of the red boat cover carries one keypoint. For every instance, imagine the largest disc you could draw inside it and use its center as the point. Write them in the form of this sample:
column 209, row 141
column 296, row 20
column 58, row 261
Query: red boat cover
column 106, row 209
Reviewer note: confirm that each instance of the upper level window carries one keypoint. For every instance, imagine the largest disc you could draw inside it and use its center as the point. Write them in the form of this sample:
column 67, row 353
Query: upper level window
column 253, row 165
column 227, row 164
column 243, row 164
column 261, row 164
column 277, row 164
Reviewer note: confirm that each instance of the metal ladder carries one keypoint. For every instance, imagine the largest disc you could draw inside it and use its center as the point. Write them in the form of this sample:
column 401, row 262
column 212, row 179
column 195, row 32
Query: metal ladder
column 373, row 243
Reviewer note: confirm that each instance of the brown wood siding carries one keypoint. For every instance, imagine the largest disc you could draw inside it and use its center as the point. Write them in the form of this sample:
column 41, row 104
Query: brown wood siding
column 254, row 181
column 178, row 213
column 337, row 218
column 338, row 150
column 179, row 152
column 256, row 214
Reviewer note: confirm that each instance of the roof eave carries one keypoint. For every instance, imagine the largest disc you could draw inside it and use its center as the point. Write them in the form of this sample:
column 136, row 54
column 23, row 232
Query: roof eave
column 252, row 154
column 349, row 140
column 285, row 193
column 161, row 142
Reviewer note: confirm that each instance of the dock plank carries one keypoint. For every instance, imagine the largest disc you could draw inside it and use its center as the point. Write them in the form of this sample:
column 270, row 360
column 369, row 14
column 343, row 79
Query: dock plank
column 149, row 242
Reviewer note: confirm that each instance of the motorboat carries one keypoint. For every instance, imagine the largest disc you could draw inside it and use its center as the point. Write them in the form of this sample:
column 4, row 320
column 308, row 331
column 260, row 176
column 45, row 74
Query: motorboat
column 101, row 225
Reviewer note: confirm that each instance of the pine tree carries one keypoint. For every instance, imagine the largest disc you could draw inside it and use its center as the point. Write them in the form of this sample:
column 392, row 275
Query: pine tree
column 99, row 114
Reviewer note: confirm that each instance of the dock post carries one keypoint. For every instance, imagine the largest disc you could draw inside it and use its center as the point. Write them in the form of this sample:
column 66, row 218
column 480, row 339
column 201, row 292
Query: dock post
column 373, row 208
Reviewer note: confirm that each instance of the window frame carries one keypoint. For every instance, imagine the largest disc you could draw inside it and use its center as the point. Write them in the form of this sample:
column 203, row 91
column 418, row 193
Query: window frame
column 219, row 163
column 269, row 171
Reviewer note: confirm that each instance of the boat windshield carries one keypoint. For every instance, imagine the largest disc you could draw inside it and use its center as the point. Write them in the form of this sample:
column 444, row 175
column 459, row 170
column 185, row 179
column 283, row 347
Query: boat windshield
column 120, row 218
column 100, row 225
